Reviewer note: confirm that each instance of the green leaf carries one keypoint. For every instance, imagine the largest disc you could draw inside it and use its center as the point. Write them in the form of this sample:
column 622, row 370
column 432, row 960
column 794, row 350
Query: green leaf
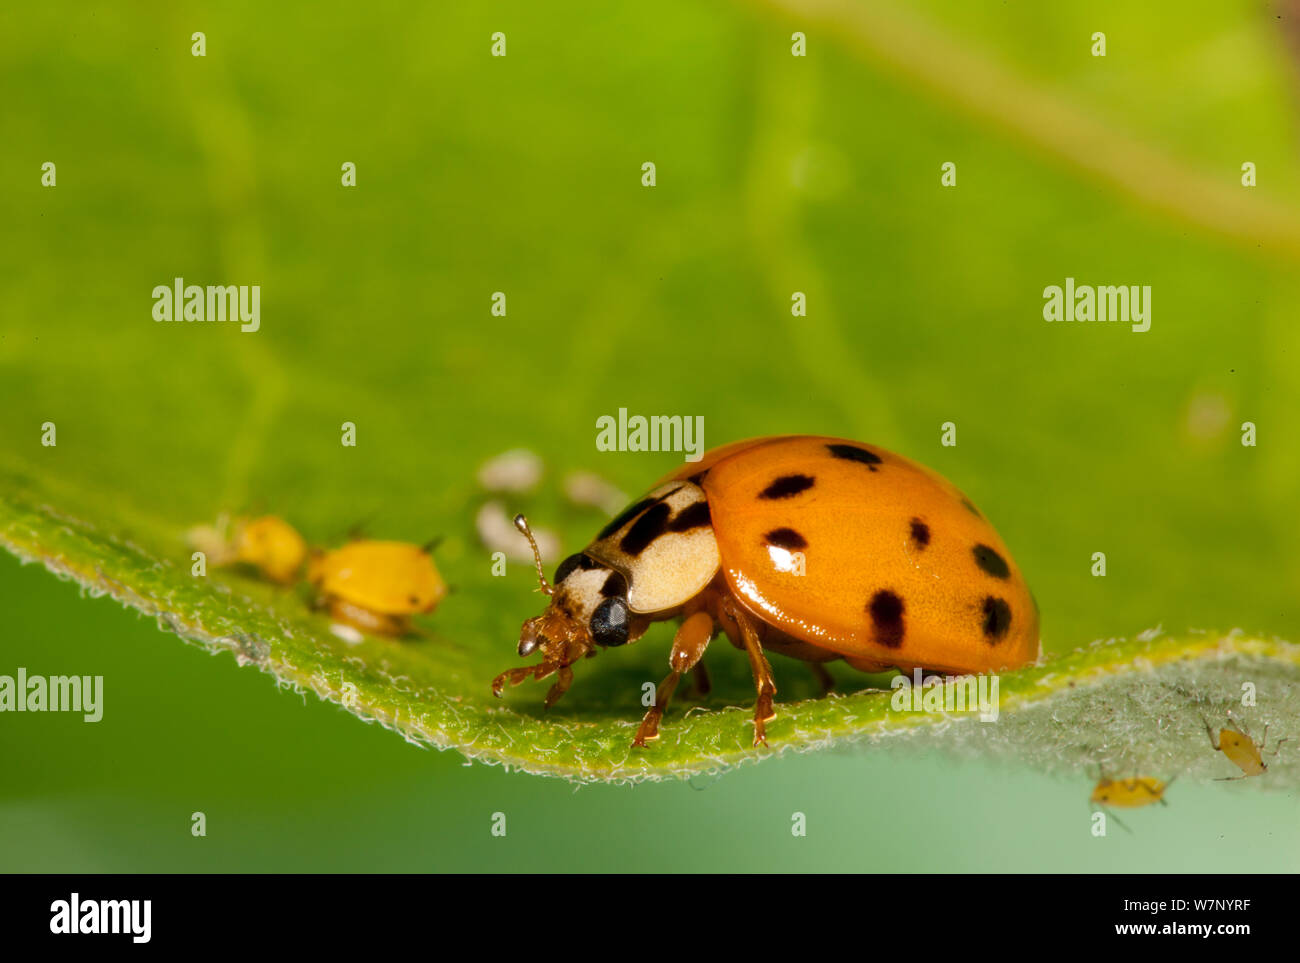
column 1120, row 707
column 816, row 174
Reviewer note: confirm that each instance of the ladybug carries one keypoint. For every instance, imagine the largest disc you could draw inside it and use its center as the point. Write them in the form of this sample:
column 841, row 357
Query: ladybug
column 376, row 586
column 814, row 548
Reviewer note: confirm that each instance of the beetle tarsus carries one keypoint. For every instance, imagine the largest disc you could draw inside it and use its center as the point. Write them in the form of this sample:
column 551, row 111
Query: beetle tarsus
column 648, row 730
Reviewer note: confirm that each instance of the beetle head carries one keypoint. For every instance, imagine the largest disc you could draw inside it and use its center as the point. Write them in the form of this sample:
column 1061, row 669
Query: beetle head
column 588, row 608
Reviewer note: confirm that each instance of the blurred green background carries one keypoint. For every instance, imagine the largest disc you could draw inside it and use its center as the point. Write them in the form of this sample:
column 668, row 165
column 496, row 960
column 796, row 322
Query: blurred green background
column 522, row 174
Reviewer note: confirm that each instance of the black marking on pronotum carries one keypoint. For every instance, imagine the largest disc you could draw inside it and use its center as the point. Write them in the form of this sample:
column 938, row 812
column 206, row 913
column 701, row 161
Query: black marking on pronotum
column 625, row 516
column 920, row 533
column 786, row 538
column 854, row 453
column 695, row 515
column 991, row 562
column 609, row 623
column 698, row 477
column 787, row 486
column 646, row 529
column 615, row 586
column 567, row 567
column 886, row 610
column 997, row 618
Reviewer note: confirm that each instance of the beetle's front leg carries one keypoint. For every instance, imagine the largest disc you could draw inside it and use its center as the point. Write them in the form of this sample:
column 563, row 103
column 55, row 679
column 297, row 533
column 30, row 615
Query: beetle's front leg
column 538, row 672
column 560, row 687
column 688, row 648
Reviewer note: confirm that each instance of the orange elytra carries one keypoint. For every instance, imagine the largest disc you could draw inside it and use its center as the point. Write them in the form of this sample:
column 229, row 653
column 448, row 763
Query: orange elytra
column 815, row 548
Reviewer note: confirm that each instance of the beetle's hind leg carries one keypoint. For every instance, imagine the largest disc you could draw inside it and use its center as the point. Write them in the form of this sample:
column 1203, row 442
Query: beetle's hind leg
column 689, row 643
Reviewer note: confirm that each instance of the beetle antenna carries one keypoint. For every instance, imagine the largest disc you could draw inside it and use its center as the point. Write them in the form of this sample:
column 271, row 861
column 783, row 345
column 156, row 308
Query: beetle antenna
column 428, row 547
column 521, row 523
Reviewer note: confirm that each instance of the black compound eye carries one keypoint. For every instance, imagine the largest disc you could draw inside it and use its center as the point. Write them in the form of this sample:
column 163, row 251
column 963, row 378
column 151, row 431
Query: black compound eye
column 567, row 567
column 609, row 623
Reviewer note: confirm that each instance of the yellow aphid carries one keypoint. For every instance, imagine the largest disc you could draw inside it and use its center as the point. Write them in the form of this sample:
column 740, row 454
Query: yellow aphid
column 272, row 546
column 1128, row 793
column 1237, row 744
column 268, row 544
column 376, row 586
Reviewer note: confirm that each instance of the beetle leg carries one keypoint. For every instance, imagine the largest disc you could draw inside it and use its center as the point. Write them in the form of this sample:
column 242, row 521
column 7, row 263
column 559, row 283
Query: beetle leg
column 560, row 687
column 703, row 685
column 516, row 676
column 689, row 643
column 763, row 681
column 824, row 678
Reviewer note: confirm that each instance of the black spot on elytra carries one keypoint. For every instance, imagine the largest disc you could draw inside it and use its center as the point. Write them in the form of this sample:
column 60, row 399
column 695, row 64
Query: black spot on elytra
column 886, row 610
column 787, row 486
column 615, row 586
column 991, row 562
column 413, row 599
column 854, row 453
column 625, row 516
column 786, row 538
column 695, row 515
column 997, row 618
column 970, row 507
column 646, row 529
column 920, row 533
